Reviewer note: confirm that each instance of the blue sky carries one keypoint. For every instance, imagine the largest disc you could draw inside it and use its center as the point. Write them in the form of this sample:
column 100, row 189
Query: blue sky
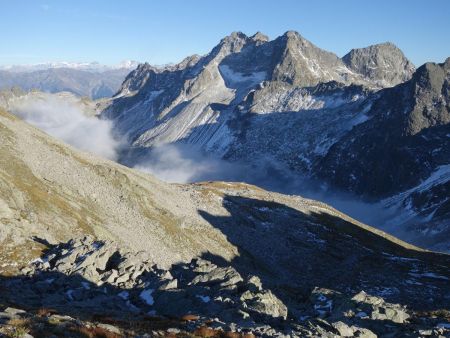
column 163, row 31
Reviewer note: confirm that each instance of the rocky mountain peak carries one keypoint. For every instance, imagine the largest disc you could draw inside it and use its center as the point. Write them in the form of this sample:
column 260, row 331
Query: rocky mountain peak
column 432, row 74
column 143, row 66
column 236, row 35
column 258, row 36
column 295, row 39
column 447, row 62
column 234, row 38
column 292, row 35
column 383, row 63
column 301, row 63
column 430, row 87
column 407, row 131
column 232, row 43
column 185, row 63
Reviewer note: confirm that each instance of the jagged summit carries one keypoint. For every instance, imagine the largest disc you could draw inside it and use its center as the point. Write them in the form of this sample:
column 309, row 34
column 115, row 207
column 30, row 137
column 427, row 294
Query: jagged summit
column 430, row 88
column 234, row 38
column 236, row 35
column 237, row 65
column 292, row 35
column 258, row 36
column 294, row 60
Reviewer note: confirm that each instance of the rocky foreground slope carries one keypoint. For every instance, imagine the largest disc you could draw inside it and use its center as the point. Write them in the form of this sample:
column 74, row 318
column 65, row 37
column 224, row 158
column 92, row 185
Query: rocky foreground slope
column 207, row 258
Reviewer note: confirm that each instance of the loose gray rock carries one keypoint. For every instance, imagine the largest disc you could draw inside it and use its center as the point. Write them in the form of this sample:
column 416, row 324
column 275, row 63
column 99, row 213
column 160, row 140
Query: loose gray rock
column 265, row 303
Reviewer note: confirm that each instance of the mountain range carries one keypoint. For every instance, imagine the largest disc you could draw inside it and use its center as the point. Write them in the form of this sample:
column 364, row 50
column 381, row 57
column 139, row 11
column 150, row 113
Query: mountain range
column 369, row 123
column 84, row 79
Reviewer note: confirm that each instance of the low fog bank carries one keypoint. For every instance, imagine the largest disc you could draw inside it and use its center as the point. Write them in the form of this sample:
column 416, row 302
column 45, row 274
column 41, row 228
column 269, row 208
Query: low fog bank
column 182, row 163
column 67, row 121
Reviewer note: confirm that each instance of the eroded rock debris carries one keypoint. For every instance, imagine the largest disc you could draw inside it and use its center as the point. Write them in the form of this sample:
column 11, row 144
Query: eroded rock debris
column 87, row 285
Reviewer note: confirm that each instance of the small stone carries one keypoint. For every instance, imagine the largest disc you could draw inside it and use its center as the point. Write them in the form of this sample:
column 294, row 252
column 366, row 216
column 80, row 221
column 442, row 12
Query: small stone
column 111, row 276
column 343, row 329
column 26, row 270
column 14, row 311
column 364, row 333
column 243, row 314
column 123, row 278
column 109, row 327
column 254, row 284
column 190, row 317
column 172, row 284
column 225, row 277
column 167, row 275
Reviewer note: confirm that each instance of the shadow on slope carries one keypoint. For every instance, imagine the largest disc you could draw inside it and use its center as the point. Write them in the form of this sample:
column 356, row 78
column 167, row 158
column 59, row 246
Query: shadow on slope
column 294, row 254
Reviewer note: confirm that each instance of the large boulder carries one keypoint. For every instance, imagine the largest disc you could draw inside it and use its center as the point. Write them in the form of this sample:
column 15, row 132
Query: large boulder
column 377, row 309
column 224, row 277
column 264, row 303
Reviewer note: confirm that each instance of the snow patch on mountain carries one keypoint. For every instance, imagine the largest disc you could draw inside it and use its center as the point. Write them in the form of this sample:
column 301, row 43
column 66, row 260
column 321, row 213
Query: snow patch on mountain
column 439, row 176
column 233, row 77
column 405, row 214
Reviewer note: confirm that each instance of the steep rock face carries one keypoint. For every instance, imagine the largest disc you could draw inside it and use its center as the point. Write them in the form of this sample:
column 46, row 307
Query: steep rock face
column 383, row 63
column 295, row 126
column 301, row 63
column 194, row 101
column 432, row 97
column 406, row 136
column 402, row 151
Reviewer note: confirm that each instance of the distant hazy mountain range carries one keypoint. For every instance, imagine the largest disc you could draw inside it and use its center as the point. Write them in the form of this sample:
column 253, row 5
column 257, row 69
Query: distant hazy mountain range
column 84, row 79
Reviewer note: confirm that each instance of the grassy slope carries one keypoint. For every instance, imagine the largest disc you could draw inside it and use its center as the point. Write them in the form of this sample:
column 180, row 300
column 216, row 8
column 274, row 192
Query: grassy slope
column 49, row 190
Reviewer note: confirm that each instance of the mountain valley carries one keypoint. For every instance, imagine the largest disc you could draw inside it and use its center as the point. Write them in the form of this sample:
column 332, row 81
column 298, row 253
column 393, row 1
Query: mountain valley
column 241, row 247
column 268, row 188
column 301, row 112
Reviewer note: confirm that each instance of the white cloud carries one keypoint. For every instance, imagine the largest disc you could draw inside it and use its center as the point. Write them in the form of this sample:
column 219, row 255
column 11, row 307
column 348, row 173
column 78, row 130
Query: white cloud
column 65, row 120
column 177, row 164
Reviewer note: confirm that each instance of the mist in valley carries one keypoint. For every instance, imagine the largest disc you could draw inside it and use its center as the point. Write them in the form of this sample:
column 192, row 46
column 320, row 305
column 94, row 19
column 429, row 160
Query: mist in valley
column 67, row 121
column 183, row 163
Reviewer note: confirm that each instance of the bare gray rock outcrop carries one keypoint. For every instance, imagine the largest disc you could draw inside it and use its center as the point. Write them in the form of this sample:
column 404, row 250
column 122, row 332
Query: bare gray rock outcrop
column 383, row 63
